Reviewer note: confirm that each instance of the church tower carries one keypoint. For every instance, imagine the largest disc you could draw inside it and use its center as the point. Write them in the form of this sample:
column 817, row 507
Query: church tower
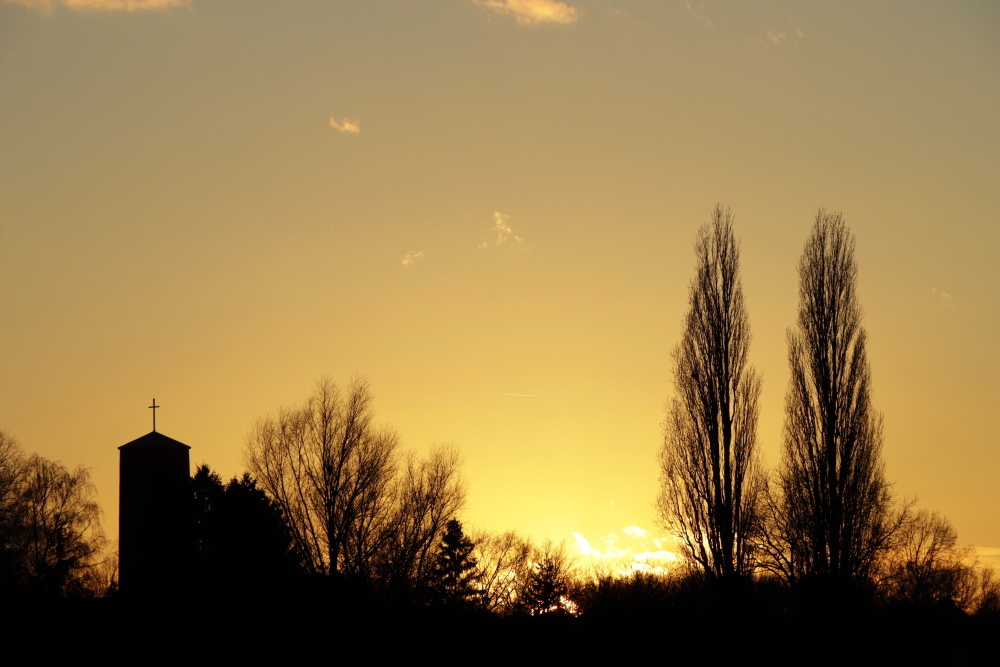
column 154, row 526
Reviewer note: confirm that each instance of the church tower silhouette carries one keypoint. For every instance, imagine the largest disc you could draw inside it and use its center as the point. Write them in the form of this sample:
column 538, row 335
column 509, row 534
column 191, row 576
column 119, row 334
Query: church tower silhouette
column 154, row 526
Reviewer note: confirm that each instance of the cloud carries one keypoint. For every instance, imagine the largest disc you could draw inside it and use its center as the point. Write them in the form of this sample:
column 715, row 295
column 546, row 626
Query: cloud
column 411, row 257
column 634, row 531
column 349, row 125
column 504, row 233
column 778, row 37
column 698, row 12
column 502, row 228
column 532, row 12
column 612, row 550
column 47, row 6
column 989, row 555
column 943, row 298
column 628, row 555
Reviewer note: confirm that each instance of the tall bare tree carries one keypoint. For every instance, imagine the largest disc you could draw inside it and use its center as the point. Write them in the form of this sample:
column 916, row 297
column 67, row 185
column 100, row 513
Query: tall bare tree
column 834, row 511
column 353, row 506
column 709, row 467
column 329, row 469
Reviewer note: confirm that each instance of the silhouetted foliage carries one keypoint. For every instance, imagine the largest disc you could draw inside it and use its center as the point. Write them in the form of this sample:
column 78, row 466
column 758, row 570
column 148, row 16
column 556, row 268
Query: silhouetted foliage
column 638, row 594
column 50, row 531
column 832, row 517
column 709, row 467
column 455, row 578
column 242, row 543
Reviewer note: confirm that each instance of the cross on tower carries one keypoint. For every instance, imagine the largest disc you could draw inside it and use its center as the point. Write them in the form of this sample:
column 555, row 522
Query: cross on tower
column 153, row 408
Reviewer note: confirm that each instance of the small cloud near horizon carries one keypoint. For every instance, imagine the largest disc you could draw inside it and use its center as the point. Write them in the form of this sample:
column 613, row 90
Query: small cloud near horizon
column 348, row 125
column 48, row 6
column 532, row 12
column 411, row 257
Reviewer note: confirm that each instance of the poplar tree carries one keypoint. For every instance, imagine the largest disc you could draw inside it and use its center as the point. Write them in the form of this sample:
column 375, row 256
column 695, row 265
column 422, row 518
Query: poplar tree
column 709, row 470
column 835, row 506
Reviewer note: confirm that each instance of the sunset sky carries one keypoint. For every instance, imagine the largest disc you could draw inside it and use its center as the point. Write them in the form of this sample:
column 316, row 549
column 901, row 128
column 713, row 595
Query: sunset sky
column 488, row 208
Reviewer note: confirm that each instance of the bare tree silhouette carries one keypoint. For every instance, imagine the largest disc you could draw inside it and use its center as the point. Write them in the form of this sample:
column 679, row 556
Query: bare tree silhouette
column 833, row 516
column 426, row 494
column 50, row 530
column 352, row 506
column 927, row 565
column 504, row 562
column 709, row 469
column 329, row 469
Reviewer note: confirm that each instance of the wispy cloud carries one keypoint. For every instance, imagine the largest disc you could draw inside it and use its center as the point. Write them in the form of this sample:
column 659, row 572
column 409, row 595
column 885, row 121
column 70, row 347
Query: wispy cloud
column 47, row 6
column 942, row 297
column 635, row 531
column 348, row 125
column 779, row 37
column 532, row 12
column 697, row 10
column 504, row 233
column 989, row 555
column 411, row 257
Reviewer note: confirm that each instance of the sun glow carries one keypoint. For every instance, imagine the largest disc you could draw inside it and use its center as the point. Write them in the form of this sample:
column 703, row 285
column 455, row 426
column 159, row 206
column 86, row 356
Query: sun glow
column 634, row 550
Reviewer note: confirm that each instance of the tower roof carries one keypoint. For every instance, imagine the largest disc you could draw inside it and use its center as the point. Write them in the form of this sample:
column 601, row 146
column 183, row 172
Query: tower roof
column 154, row 440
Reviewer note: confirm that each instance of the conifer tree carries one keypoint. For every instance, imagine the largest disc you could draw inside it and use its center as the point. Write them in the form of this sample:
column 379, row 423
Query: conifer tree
column 456, row 577
column 547, row 587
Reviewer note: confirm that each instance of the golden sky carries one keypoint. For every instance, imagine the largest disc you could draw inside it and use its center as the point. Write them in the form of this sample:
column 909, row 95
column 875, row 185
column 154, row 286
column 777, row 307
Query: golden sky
column 488, row 208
